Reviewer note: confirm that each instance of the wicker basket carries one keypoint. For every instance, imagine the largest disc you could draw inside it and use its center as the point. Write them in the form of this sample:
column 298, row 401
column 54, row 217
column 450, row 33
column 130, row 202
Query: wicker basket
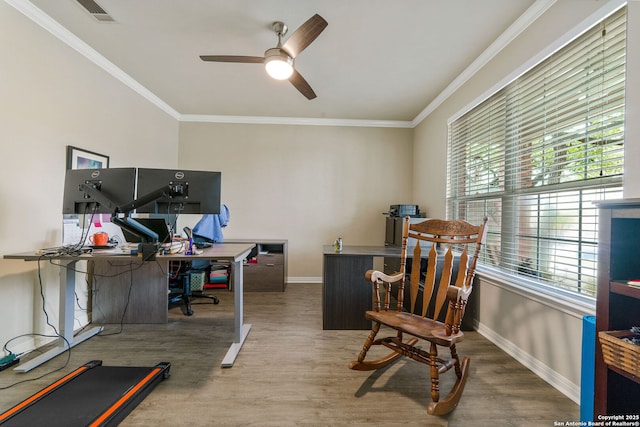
column 618, row 353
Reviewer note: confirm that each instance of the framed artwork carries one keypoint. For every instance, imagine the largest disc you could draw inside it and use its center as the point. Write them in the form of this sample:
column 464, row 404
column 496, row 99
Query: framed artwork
column 78, row 158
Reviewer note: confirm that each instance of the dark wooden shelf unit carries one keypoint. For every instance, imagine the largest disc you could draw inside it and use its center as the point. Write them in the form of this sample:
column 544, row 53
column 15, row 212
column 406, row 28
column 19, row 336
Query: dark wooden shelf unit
column 622, row 288
column 618, row 304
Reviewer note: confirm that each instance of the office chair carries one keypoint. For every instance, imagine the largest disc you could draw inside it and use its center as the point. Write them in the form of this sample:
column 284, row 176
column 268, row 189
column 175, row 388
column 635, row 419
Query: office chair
column 182, row 287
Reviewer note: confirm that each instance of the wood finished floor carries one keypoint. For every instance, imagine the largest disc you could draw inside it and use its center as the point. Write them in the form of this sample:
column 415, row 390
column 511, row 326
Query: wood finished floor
column 292, row 373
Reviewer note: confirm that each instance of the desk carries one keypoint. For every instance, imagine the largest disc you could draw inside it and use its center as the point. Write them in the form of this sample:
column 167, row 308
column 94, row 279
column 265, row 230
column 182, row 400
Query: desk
column 346, row 294
column 234, row 253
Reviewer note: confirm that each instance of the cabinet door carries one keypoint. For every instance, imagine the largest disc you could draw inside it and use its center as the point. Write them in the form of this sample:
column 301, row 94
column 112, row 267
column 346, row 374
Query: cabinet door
column 346, row 294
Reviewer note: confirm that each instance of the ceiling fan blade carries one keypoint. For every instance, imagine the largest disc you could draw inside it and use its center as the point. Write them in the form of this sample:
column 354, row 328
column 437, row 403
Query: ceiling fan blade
column 233, row 58
column 304, row 35
column 301, row 84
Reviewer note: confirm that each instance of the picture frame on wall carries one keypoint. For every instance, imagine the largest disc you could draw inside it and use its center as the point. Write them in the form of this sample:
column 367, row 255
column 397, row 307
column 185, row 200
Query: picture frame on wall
column 79, row 158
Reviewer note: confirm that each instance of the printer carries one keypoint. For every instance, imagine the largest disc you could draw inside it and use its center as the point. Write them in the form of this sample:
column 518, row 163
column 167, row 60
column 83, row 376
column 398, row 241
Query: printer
column 400, row 211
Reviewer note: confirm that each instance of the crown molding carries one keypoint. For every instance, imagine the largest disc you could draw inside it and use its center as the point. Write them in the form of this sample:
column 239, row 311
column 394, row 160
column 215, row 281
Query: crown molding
column 67, row 37
column 260, row 120
column 522, row 23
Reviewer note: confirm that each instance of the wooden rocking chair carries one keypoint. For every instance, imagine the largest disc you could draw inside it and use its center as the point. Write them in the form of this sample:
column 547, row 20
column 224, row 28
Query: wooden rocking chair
column 426, row 326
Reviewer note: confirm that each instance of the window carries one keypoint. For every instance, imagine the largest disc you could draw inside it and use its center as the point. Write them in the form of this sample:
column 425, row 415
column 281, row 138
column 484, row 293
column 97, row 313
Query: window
column 537, row 154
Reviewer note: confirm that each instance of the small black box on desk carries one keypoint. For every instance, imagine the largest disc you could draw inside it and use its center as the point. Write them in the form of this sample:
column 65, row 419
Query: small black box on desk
column 404, row 210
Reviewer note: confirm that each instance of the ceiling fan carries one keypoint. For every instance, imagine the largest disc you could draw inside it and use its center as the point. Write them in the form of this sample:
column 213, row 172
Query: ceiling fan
column 279, row 61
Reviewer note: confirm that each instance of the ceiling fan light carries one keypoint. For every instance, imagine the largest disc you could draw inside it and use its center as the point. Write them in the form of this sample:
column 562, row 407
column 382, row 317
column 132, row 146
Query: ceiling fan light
column 278, row 64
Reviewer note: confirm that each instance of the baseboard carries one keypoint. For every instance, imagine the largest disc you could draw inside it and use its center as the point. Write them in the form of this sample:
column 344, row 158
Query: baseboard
column 29, row 344
column 291, row 280
column 560, row 383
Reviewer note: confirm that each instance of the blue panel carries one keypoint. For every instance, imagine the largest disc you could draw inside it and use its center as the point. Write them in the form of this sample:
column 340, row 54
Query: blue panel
column 587, row 374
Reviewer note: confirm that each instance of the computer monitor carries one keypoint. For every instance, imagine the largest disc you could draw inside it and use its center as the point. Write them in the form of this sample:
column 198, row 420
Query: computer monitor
column 189, row 191
column 157, row 225
column 88, row 191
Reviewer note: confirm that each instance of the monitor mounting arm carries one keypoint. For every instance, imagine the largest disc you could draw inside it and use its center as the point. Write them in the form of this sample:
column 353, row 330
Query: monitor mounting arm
column 169, row 190
column 97, row 195
column 149, row 245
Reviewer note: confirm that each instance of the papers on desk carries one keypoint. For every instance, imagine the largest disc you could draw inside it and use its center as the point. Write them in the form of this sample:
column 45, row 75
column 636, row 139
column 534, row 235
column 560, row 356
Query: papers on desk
column 175, row 247
column 121, row 249
column 71, row 231
column 111, row 251
column 115, row 250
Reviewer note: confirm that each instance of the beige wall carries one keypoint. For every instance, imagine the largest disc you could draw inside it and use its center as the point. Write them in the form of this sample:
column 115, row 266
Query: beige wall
column 306, row 184
column 543, row 334
column 51, row 97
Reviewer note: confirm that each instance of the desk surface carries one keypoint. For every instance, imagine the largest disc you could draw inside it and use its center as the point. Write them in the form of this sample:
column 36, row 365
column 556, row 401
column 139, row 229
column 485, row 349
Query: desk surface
column 352, row 250
column 219, row 251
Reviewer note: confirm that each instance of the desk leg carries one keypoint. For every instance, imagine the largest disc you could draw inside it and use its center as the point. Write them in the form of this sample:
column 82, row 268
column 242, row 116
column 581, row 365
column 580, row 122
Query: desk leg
column 65, row 324
column 240, row 329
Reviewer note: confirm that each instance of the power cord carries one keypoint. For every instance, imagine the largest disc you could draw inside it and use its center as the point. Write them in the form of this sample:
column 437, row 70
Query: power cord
column 126, row 306
column 14, row 356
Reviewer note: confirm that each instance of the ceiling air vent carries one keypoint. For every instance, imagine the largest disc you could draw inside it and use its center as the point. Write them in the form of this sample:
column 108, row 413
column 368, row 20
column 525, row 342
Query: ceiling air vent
column 95, row 10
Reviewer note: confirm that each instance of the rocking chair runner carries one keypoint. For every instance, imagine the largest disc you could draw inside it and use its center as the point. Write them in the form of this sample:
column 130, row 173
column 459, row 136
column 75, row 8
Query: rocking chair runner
column 427, row 326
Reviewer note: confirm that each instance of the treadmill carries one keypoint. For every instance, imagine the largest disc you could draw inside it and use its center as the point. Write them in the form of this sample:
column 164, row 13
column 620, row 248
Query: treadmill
column 92, row 395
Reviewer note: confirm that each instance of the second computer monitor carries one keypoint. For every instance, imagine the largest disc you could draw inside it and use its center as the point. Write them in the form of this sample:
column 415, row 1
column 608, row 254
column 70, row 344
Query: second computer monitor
column 200, row 191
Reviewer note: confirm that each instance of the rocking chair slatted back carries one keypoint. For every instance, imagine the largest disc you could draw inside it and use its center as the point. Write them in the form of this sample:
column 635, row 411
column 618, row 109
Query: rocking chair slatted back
column 438, row 232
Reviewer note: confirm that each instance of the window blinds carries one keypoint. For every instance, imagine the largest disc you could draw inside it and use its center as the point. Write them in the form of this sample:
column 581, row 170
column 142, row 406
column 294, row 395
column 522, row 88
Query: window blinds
column 537, row 154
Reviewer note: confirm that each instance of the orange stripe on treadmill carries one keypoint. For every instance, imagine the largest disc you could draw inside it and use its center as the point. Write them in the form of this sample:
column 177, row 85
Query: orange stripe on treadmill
column 124, row 398
column 41, row 393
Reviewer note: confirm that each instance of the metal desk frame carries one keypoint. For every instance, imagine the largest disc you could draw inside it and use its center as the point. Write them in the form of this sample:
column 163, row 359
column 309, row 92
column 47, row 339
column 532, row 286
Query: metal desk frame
column 235, row 253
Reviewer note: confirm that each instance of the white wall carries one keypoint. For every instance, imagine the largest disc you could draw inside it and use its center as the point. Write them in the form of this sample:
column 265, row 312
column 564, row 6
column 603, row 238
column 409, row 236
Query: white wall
column 540, row 332
column 51, row 97
column 306, row 184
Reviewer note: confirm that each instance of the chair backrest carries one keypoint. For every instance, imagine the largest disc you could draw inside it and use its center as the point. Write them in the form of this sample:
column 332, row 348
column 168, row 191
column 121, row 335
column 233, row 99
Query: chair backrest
column 448, row 239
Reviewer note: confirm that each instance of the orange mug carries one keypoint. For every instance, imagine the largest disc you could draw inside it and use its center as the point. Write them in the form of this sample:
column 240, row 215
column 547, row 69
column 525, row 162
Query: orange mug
column 99, row 239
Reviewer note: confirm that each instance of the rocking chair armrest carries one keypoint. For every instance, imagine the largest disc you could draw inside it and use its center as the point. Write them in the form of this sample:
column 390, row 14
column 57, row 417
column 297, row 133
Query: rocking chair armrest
column 455, row 293
column 374, row 276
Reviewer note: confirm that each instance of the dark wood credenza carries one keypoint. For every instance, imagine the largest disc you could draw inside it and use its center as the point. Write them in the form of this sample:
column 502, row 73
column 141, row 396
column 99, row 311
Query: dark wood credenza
column 346, row 295
column 266, row 270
